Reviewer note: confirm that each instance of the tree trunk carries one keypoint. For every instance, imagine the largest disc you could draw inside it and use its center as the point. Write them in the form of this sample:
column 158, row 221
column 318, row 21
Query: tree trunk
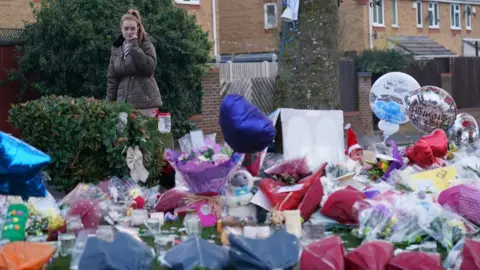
column 308, row 68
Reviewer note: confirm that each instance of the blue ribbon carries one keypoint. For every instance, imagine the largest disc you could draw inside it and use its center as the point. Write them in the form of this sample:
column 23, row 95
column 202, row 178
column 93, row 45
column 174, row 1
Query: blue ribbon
column 240, row 191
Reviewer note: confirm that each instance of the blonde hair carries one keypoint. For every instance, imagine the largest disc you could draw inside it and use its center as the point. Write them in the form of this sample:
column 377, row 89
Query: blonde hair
column 134, row 15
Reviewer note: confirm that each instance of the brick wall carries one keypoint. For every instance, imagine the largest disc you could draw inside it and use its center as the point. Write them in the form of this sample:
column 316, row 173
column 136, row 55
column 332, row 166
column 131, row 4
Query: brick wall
column 353, row 29
column 242, row 27
column 204, row 16
column 208, row 120
column 362, row 120
column 14, row 13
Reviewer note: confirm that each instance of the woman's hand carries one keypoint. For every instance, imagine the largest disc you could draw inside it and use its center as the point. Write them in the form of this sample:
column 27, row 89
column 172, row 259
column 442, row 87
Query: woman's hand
column 133, row 36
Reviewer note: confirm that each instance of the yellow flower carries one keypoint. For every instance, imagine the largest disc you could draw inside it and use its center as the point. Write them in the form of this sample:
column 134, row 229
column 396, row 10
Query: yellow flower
column 384, row 166
column 55, row 222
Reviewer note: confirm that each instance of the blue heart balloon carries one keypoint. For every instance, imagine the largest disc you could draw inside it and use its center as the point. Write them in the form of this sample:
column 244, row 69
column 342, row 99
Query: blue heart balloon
column 393, row 108
column 245, row 128
column 20, row 167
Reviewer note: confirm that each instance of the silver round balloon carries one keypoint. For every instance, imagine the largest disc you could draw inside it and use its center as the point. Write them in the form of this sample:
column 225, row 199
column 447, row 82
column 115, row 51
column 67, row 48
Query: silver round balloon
column 431, row 107
column 464, row 129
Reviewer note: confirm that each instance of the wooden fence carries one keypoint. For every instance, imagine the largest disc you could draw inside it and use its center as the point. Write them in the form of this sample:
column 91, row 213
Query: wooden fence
column 466, row 81
column 348, row 85
column 235, row 71
column 428, row 72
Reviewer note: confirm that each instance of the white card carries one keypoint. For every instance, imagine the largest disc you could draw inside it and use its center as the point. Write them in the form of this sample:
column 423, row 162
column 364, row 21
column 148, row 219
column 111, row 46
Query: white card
column 261, row 200
column 197, row 138
column 290, row 188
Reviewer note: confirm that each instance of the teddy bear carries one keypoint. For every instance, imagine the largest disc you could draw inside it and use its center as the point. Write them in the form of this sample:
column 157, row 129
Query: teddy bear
column 238, row 196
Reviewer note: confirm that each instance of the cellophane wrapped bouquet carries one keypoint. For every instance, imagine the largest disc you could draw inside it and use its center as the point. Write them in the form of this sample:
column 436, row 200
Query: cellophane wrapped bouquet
column 86, row 201
column 409, row 218
column 205, row 170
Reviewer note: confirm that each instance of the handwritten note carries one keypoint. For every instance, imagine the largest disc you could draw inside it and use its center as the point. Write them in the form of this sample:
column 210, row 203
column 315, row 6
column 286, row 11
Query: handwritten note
column 437, row 179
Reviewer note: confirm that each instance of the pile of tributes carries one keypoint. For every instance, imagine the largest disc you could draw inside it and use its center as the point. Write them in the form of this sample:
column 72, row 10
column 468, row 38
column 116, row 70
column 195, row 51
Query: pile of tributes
column 407, row 207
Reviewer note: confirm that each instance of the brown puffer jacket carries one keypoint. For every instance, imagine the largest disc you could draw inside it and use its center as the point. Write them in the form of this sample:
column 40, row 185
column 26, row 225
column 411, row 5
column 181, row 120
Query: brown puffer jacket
column 131, row 77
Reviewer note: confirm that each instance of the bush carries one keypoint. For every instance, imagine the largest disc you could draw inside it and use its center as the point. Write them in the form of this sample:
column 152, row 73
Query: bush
column 381, row 61
column 85, row 138
column 69, row 48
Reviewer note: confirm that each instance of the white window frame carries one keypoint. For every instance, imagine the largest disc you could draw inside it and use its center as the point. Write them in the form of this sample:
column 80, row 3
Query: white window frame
column 394, row 4
column 468, row 17
column 377, row 8
column 265, row 14
column 434, row 9
column 419, row 14
column 455, row 9
column 188, row 2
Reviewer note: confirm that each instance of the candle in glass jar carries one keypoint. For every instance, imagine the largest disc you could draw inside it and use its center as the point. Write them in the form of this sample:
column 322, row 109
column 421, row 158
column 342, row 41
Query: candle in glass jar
column 293, row 222
column 139, row 216
column 160, row 216
column 250, row 232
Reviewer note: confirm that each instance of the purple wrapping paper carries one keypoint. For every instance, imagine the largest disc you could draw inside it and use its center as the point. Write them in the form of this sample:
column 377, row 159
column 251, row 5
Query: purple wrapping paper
column 394, row 164
column 203, row 177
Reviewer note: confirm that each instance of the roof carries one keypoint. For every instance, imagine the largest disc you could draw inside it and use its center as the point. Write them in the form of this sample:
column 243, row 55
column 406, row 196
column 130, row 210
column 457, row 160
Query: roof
column 471, row 41
column 10, row 36
column 259, row 91
column 421, row 46
column 254, row 57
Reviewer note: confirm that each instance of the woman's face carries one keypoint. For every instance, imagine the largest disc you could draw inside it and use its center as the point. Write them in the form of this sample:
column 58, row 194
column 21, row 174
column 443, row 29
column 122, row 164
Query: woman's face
column 129, row 29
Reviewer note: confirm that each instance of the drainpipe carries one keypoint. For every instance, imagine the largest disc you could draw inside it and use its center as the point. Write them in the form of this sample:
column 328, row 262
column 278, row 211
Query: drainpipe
column 370, row 27
column 214, row 19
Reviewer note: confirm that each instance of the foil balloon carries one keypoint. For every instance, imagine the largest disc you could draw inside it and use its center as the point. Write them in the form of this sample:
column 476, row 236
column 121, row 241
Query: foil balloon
column 245, row 128
column 464, row 130
column 388, row 94
column 431, row 108
column 20, row 168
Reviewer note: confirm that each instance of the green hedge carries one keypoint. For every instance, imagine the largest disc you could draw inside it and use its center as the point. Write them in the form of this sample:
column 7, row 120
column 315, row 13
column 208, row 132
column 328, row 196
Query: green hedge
column 85, row 139
column 381, row 61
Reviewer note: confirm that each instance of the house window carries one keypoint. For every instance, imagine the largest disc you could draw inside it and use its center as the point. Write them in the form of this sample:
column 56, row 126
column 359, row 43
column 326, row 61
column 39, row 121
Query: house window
column 455, row 16
column 419, row 14
column 468, row 17
column 270, row 11
column 394, row 13
column 433, row 15
column 378, row 15
column 188, row 2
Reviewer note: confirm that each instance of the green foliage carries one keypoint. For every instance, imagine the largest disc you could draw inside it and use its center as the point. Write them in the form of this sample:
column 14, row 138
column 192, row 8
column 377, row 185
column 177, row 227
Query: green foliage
column 85, row 139
column 381, row 61
column 69, row 48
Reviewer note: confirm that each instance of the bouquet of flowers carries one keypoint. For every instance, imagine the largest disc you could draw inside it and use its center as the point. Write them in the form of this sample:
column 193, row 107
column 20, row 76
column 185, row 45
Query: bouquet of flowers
column 375, row 170
column 375, row 220
column 204, row 170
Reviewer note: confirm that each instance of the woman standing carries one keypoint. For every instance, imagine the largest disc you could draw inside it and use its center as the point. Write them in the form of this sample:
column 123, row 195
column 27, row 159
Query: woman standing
column 132, row 67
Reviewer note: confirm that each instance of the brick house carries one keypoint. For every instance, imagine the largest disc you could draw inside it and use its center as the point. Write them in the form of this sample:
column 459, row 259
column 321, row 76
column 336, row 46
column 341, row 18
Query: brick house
column 249, row 26
column 422, row 28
